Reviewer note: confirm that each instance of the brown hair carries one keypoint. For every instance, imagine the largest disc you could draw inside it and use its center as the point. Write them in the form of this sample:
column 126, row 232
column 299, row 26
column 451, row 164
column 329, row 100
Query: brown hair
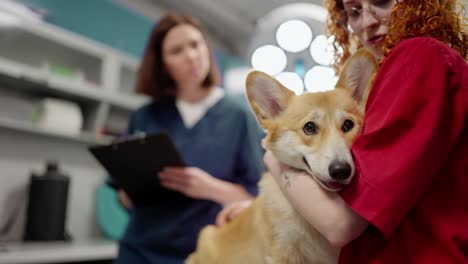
column 153, row 78
column 440, row 19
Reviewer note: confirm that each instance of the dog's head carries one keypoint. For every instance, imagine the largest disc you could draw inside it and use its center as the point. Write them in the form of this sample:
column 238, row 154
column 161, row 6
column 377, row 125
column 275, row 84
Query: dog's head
column 314, row 131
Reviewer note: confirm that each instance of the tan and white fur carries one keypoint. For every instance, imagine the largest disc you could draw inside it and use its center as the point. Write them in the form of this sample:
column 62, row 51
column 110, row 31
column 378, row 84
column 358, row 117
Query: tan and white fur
column 270, row 230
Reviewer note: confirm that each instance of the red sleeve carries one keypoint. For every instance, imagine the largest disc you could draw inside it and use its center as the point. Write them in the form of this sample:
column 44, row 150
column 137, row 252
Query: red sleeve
column 410, row 128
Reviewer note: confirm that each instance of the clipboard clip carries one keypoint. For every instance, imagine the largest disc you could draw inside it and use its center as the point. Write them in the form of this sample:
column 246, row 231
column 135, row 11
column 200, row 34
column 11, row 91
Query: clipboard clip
column 141, row 136
column 138, row 135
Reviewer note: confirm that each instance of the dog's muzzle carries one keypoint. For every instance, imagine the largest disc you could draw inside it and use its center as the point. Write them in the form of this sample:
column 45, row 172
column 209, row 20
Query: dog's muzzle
column 339, row 171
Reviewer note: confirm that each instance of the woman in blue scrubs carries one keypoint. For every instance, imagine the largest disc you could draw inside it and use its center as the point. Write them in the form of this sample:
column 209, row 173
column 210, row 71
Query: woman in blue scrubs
column 217, row 136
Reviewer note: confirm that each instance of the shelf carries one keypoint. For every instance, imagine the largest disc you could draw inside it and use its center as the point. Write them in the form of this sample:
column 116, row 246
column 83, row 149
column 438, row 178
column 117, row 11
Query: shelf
column 20, row 73
column 127, row 74
column 36, row 80
column 43, row 46
column 39, row 61
column 57, row 252
column 63, row 36
column 126, row 101
column 84, row 137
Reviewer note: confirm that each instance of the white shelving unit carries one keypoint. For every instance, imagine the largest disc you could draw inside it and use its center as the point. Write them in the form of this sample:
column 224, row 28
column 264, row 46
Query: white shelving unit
column 57, row 252
column 48, row 61
column 37, row 61
column 22, row 126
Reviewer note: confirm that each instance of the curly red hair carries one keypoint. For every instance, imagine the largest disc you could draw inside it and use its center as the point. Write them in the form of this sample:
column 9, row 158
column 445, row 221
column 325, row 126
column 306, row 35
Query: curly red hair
column 440, row 19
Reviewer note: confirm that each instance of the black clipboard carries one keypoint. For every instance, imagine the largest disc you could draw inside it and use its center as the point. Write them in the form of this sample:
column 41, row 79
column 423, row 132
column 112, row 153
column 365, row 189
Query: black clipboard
column 134, row 163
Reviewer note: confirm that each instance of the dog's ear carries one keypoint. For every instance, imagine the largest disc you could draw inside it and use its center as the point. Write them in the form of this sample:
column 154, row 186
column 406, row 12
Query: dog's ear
column 357, row 75
column 267, row 96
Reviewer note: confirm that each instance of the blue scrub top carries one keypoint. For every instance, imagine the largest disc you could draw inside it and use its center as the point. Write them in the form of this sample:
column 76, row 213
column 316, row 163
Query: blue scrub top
column 225, row 143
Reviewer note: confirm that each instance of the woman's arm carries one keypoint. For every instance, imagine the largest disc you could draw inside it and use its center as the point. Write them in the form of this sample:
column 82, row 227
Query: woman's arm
column 324, row 210
column 226, row 193
column 199, row 184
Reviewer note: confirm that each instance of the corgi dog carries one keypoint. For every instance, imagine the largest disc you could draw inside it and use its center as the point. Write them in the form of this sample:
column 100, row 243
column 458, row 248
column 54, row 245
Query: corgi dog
column 311, row 132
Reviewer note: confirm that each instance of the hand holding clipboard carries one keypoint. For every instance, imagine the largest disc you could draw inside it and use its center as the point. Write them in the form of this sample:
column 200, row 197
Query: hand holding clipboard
column 134, row 163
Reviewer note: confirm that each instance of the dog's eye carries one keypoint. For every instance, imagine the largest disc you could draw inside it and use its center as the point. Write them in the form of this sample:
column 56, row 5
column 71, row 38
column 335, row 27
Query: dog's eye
column 310, row 128
column 347, row 125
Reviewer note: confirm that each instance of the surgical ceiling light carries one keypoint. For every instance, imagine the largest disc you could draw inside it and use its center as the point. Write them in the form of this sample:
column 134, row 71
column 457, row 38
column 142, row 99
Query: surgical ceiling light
column 322, row 51
column 269, row 59
column 293, row 44
column 319, row 79
column 294, row 35
column 292, row 81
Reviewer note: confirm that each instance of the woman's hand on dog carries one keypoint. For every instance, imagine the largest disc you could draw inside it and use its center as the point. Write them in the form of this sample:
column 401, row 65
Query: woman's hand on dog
column 231, row 211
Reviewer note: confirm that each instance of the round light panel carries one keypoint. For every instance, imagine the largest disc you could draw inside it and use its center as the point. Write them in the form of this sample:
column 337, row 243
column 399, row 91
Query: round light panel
column 294, row 35
column 269, row 59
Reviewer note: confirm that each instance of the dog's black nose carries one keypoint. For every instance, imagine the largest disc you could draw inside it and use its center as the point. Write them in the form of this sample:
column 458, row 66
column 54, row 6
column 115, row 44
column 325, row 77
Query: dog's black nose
column 339, row 170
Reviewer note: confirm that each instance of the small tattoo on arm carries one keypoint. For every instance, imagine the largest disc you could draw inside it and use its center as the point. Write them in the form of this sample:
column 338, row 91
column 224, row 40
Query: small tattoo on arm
column 287, row 181
column 288, row 178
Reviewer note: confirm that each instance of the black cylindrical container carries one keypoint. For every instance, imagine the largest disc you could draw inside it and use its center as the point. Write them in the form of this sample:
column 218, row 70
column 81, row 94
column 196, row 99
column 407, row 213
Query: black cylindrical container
column 47, row 205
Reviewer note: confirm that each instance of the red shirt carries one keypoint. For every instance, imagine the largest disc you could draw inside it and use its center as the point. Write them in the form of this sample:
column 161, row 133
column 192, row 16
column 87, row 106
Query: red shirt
column 412, row 160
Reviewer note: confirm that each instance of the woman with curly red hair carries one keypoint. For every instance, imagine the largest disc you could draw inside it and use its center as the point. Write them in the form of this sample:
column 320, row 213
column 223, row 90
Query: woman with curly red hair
column 408, row 200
